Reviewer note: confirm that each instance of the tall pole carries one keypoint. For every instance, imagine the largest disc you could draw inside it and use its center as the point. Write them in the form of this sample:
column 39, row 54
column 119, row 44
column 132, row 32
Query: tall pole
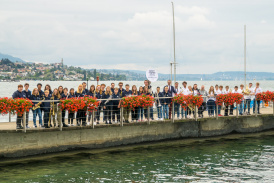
column 171, row 72
column 174, row 43
column 245, row 51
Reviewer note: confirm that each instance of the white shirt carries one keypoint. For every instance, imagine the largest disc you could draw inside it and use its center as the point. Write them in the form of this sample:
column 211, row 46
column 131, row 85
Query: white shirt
column 238, row 91
column 226, row 92
column 185, row 91
column 178, row 90
column 249, row 96
column 210, row 97
column 218, row 92
column 258, row 90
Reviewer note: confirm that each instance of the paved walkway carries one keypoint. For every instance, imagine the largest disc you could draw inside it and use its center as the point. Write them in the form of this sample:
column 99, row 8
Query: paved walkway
column 12, row 125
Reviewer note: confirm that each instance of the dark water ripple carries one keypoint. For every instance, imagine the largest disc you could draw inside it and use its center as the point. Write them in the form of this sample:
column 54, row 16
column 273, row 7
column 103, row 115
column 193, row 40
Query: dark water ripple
column 242, row 160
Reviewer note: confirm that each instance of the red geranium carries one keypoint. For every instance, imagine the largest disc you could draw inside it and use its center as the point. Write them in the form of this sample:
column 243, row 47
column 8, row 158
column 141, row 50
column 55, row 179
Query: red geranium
column 20, row 105
column 4, row 105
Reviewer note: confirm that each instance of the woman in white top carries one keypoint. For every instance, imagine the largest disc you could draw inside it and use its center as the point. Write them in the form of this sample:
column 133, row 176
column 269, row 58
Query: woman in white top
column 257, row 90
column 211, row 101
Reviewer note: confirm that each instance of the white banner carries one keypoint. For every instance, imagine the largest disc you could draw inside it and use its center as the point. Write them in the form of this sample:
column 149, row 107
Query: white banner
column 152, row 75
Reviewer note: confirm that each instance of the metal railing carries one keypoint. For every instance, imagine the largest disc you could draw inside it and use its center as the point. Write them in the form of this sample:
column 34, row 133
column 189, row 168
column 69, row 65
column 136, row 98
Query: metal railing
column 121, row 116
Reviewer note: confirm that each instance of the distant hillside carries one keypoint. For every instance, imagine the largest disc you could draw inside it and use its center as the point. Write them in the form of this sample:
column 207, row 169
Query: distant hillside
column 11, row 58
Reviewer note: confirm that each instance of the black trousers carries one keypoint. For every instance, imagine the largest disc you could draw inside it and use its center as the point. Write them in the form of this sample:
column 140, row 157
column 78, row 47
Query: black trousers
column 107, row 113
column 202, row 108
column 46, row 117
column 115, row 111
column 134, row 114
column 231, row 110
column 63, row 116
column 70, row 118
column 81, row 117
column 97, row 115
column 19, row 121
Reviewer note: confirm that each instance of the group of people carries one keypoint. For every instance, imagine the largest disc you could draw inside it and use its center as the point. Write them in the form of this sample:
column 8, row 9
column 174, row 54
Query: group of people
column 45, row 102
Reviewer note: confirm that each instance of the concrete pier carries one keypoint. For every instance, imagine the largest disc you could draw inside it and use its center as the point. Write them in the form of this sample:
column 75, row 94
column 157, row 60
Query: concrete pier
column 17, row 144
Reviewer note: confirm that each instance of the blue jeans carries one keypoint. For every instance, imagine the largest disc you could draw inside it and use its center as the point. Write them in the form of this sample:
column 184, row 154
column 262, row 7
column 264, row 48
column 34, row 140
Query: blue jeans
column 247, row 105
column 177, row 109
column 211, row 107
column 151, row 113
column 258, row 105
column 37, row 111
column 159, row 111
column 165, row 111
column 184, row 112
column 219, row 109
column 140, row 113
column 241, row 105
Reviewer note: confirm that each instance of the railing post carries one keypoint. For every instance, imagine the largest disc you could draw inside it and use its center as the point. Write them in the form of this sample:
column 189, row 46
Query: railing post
column 9, row 117
column 148, row 115
column 92, row 120
column 121, row 116
column 237, row 110
column 217, row 115
column 273, row 106
column 60, row 117
column 196, row 113
column 24, row 121
column 255, row 104
column 172, row 112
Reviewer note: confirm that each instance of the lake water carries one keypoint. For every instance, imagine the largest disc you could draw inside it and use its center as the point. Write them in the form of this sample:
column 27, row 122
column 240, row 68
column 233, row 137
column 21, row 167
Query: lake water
column 249, row 159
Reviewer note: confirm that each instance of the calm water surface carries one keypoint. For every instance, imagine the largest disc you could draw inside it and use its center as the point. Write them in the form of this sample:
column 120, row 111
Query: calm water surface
column 240, row 160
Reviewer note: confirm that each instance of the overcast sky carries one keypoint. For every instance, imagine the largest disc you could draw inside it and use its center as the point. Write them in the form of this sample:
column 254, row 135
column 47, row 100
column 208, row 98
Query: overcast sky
column 137, row 35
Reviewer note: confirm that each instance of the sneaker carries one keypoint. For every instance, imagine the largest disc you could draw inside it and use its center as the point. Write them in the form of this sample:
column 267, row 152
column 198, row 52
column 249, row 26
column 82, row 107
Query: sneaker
column 94, row 123
column 27, row 126
column 115, row 121
column 109, row 122
column 19, row 127
column 98, row 123
column 220, row 115
column 65, row 125
column 106, row 122
column 162, row 119
column 68, row 124
column 88, row 123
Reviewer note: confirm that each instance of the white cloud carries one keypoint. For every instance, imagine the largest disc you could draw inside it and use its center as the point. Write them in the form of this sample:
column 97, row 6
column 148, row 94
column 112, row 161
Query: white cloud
column 138, row 34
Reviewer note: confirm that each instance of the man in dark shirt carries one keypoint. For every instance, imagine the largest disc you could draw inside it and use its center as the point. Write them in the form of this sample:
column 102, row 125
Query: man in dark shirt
column 15, row 95
column 27, row 92
column 121, row 89
column 126, row 93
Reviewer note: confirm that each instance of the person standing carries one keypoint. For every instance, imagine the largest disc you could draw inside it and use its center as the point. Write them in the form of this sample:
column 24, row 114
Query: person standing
column 177, row 106
column 241, row 105
column 236, row 90
column 218, row 92
column 81, row 113
column 134, row 112
column 202, row 108
column 107, row 105
column 158, row 103
column 91, row 93
column 33, row 97
column 184, row 91
column 171, row 91
column 247, row 100
column 141, row 109
column 64, row 96
column 71, row 114
column 55, row 96
column 257, row 90
column 166, row 102
column 99, row 95
column 115, row 103
column 15, row 95
column 211, row 101
column 27, row 93
column 126, row 93
column 46, row 107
